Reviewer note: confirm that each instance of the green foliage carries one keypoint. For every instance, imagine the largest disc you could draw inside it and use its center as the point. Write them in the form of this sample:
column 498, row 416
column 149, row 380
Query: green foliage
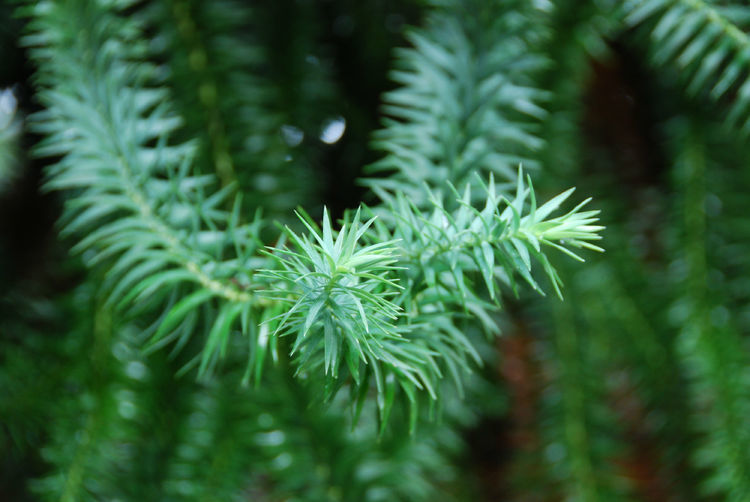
column 218, row 348
column 167, row 240
column 466, row 102
column 713, row 353
column 170, row 243
column 707, row 48
column 215, row 61
column 341, row 293
column 342, row 288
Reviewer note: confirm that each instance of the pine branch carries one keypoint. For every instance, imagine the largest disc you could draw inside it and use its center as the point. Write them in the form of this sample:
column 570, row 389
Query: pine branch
column 466, row 103
column 507, row 232
column 174, row 251
column 646, row 352
column 575, row 423
column 581, row 436
column 29, row 346
column 389, row 301
column 712, row 353
column 206, row 84
column 218, row 78
column 164, row 237
column 710, row 52
column 271, row 441
column 92, row 429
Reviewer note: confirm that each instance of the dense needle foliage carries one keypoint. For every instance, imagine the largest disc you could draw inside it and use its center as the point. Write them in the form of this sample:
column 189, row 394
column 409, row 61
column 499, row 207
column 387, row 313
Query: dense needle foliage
column 241, row 301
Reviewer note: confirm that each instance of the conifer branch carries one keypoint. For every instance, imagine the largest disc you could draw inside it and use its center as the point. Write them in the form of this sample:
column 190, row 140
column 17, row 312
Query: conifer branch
column 653, row 367
column 713, row 356
column 369, row 303
column 711, row 53
column 575, row 422
column 200, row 76
column 153, row 220
column 93, row 424
column 165, row 232
column 219, row 80
column 466, row 104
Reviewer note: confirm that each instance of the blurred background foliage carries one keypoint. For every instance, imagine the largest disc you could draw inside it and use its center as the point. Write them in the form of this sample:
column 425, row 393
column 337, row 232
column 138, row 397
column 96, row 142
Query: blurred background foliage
column 635, row 387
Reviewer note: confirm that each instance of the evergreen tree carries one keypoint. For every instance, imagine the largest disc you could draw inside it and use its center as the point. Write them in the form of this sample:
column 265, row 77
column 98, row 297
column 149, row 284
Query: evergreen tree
column 219, row 314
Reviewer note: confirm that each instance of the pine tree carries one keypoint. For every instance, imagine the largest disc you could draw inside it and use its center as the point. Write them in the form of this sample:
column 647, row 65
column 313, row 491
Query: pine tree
column 216, row 320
